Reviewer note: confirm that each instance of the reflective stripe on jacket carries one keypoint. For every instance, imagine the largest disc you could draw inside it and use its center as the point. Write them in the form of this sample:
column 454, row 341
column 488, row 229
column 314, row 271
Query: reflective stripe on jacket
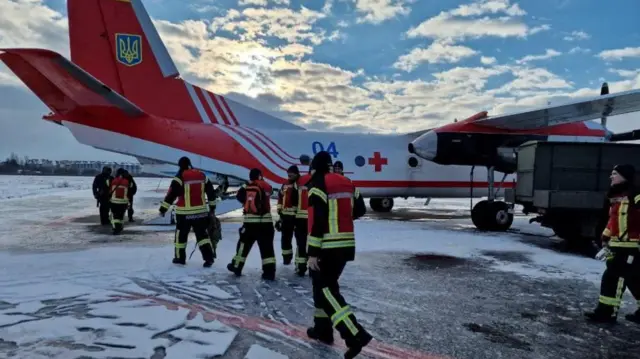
column 623, row 227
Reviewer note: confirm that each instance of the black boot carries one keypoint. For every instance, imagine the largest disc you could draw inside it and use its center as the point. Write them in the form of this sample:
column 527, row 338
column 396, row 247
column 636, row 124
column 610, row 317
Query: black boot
column 316, row 334
column 602, row 314
column 286, row 259
column 179, row 261
column 355, row 345
column 268, row 276
column 208, row 264
column 635, row 317
column 234, row 270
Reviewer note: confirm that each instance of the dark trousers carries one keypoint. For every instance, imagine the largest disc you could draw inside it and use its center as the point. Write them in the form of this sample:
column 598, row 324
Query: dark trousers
column 130, row 209
column 331, row 310
column 117, row 216
column 104, row 208
column 623, row 271
column 300, row 232
column 288, row 226
column 263, row 233
column 200, row 224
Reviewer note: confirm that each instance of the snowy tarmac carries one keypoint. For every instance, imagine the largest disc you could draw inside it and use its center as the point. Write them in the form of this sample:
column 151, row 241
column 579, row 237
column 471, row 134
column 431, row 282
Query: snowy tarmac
column 425, row 283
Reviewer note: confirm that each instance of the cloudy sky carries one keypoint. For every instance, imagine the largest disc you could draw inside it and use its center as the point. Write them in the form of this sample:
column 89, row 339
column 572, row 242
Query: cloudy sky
column 355, row 65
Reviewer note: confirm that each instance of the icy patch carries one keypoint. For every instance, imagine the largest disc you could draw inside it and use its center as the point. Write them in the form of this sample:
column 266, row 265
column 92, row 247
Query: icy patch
column 419, row 237
column 259, row 352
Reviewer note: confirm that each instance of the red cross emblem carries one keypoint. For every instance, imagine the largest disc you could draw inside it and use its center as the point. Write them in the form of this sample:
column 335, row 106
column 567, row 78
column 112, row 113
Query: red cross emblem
column 377, row 161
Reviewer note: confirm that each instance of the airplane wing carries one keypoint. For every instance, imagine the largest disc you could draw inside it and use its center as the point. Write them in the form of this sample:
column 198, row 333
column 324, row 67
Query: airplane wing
column 63, row 86
column 585, row 110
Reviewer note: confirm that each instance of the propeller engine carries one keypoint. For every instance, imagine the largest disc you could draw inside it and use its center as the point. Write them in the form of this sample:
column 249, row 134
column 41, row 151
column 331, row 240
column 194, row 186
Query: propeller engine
column 617, row 137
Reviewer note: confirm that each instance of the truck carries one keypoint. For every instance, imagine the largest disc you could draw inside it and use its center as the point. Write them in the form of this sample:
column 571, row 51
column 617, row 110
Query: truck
column 565, row 185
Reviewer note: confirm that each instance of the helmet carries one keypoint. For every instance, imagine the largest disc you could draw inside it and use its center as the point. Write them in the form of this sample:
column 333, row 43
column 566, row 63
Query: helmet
column 255, row 174
column 184, row 163
column 322, row 162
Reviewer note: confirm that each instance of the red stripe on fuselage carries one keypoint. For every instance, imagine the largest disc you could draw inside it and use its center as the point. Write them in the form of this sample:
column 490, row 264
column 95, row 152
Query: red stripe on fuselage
column 203, row 101
column 234, row 120
column 214, row 97
column 567, row 129
column 275, row 144
column 260, row 138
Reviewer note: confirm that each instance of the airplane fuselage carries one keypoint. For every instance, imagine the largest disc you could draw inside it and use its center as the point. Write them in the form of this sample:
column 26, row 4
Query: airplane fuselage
column 378, row 164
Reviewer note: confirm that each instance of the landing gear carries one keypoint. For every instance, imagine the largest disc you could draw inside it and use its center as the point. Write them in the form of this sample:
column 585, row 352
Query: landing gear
column 491, row 215
column 381, row 204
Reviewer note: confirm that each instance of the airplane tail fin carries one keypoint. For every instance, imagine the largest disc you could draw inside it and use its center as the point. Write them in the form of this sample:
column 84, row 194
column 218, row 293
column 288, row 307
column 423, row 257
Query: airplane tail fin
column 116, row 41
column 64, row 87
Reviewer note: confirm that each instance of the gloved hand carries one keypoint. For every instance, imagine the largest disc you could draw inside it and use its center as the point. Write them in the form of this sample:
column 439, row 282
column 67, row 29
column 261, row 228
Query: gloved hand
column 162, row 211
column 604, row 253
column 278, row 225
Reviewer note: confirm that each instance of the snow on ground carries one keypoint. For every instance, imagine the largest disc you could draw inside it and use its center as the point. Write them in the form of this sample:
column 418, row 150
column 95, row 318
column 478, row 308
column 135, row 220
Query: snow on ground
column 103, row 300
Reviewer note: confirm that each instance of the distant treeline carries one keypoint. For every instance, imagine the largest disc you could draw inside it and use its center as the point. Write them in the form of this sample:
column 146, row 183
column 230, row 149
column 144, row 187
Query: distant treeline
column 15, row 165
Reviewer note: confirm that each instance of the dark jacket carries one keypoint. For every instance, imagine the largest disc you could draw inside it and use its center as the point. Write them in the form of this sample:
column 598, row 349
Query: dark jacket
column 101, row 186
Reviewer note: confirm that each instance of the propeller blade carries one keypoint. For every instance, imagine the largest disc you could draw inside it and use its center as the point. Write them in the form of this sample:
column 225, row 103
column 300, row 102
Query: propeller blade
column 625, row 136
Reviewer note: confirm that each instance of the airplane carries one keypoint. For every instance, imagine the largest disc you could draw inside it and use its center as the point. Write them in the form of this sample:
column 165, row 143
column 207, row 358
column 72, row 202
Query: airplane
column 491, row 142
column 121, row 92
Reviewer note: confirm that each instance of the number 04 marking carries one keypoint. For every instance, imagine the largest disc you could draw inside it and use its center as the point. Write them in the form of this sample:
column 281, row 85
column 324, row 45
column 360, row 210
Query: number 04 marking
column 331, row 149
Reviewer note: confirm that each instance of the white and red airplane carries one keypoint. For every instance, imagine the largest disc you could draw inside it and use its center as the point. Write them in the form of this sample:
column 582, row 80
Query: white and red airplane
column 122, row 93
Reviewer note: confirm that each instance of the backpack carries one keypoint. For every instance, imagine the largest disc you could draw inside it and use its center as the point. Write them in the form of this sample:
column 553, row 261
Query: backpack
column 254, row 203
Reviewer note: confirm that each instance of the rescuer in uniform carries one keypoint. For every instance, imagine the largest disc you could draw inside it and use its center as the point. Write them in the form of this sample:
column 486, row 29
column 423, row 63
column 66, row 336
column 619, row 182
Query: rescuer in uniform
column 622, row 238
column 338, row 168
column 132, row 192
column 331, row 244
column 101, row 192
column 119, row 200
column 190, row 187
column 257, row 225
column 301, row 228
column 287, row 203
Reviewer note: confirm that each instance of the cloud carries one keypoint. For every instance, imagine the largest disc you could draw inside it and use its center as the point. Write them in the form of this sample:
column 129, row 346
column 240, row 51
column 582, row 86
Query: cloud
column 579, row 50
column 457, row 24
column 577, row 35
column 378, row 11
column 549, row 53
column 619, row 54
column 541, row 28
column 282, row 23
column 262, row 2
column 488, row 60
column 437, row 52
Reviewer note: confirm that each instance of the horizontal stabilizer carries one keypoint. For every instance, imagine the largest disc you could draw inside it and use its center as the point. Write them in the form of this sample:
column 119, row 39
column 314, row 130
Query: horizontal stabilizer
column 585, row 110
column 64, row 87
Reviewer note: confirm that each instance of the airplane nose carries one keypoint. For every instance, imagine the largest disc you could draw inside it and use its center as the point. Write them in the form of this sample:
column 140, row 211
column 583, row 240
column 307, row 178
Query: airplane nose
column 425, row 146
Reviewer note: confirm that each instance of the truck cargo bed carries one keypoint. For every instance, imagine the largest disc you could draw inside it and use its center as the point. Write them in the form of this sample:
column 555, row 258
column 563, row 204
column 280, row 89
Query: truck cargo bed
column 569, row 175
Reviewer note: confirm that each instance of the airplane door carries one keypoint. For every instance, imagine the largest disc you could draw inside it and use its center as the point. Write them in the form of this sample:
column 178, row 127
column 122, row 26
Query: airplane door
column 414, row 167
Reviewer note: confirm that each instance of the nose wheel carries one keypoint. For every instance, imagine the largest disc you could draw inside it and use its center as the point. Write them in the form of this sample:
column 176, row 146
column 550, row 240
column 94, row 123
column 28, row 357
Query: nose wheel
column 489, row 214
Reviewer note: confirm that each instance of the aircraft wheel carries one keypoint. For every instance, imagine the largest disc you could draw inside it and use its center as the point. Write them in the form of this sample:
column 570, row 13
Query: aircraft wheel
column 479, row 215
column 386, row 204
column 500, row 219
column 381, row 204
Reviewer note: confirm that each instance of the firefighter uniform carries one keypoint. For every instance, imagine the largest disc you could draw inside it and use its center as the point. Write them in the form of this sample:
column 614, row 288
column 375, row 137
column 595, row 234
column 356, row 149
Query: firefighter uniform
column 191, row 188
column 101, row 192
column 287, row 203
column 622, row 237
column 257, row 226
column 301, row 225
column 132, row 192
column 119, row 200
column 334, row 203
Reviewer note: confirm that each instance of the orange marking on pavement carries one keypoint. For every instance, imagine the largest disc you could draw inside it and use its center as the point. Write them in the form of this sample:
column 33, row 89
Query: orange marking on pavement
column 375, row 349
